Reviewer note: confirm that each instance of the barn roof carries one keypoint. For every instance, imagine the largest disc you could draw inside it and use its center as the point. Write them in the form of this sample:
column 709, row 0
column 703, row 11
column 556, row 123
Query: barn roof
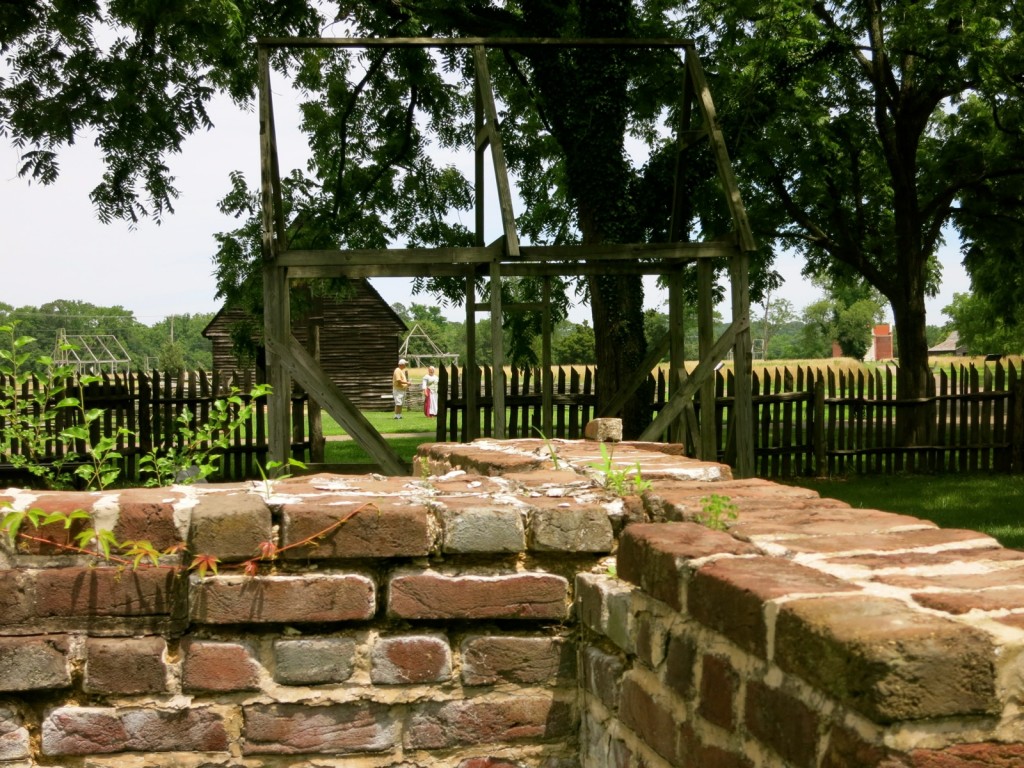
column 220, row 323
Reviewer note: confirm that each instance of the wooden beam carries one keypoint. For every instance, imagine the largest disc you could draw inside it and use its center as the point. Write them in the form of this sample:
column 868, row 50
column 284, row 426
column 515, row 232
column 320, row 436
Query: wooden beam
column 490, row 115
column 743, row 424
column 636, row 378
column 532, row 260
column 708, row 448
column 276, row 333
column 498, row 355
column 732, row 191
column 711, row 249
column 313, row 379
column 677, row 402
column 548, row 382
column 471, row 42
column 518, row 269
column 470, row 373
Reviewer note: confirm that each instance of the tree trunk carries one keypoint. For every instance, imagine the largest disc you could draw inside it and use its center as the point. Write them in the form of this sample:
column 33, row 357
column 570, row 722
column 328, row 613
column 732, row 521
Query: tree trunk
column 914, row 381
column 617, row 307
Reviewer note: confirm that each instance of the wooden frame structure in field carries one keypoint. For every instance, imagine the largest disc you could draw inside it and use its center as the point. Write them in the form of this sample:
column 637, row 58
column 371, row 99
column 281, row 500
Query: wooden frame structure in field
column 287, row 361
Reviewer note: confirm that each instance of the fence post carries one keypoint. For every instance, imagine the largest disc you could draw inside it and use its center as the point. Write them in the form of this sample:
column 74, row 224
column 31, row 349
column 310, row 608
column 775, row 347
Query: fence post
column 1017, row 428
column 818, row 425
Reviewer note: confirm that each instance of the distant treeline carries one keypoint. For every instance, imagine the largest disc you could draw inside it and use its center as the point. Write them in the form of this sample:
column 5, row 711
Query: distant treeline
column 172, row 344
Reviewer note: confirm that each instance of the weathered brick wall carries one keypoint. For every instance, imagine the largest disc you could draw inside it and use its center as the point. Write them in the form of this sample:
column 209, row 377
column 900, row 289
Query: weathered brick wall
column 809, row 635
column 472, row 616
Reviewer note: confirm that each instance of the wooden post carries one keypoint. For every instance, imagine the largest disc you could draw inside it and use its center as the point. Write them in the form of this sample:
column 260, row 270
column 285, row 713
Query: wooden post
column 471, row 373
column 818, row 426
column 705, row 340
column 742, row 367
column 676, row 349
column 497, row 352
column 547, row 384
column 276, row 320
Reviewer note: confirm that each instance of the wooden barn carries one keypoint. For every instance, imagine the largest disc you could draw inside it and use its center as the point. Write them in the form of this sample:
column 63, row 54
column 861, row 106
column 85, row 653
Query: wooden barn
column 358, row 338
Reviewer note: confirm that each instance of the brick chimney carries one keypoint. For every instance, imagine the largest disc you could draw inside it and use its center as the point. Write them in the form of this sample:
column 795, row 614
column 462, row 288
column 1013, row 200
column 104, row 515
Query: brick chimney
column 882, row 341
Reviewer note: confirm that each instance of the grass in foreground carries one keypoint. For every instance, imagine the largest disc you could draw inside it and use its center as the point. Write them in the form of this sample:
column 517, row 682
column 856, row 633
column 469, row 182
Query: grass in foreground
column 991, row 504
column 349, row 452
column 386, row 423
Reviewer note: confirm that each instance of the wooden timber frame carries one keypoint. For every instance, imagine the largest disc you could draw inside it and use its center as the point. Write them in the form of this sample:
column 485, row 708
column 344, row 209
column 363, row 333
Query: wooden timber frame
column 287, row 361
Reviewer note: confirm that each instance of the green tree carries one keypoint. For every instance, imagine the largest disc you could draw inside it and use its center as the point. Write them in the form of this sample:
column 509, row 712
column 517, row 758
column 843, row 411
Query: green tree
column 865, row 131
column 982, row 327
column 573, row 344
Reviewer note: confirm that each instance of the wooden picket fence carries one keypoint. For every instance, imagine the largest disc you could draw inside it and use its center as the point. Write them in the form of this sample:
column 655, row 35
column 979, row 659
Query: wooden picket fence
column 809, row 420
column 143, row 411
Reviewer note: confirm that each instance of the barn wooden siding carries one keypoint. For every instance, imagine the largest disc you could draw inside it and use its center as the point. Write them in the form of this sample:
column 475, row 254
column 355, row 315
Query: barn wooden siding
column 359, row 341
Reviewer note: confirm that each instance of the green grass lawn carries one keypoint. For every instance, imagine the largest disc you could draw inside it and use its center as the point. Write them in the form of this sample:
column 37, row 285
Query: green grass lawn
column 348, row 452
column 992, row 504
column 386, row 423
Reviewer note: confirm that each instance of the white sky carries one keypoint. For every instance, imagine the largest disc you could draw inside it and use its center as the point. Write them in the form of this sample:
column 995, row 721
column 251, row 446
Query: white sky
column 55, row 248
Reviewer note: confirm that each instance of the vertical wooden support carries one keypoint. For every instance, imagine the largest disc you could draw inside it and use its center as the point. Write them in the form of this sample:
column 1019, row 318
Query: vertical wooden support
column 705, row 339
column 743, row 424
column 677, row 347
column 548, row 383
column 276, row 320
column 471, row 373
column 497, row 352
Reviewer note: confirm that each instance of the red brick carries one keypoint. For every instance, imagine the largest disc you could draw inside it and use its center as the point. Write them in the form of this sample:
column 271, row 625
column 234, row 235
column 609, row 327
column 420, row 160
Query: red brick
column 147, row 514
column 694, row 752
column 982, row 755
column 213, row 666
column 15, row 602
column 104, row 592
column 958, row 603
column 650, row 719
column 848, row 750
column 336, row 729
column 886, row 660
column 680, row 659
column 488, row 660
column 34, row 663
column 480, row 457
column 482, row 721
column 386, row 527
column 229, row 525
column 15, row 742
column 718, row 685
column 55, row 534
column 410, row 659
column 783, row 724
column 657, row 556
column 729, row 595
column 995, row 577
column 434, row 595
column 104, row 730
column 882, row 542
column 602, row 675
column 983, row 554
column 125, row 665
column 283, row 599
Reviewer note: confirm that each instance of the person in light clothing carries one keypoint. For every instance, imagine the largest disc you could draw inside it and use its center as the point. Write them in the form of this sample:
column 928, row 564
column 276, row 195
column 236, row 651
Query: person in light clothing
column 429, row 387
column 400, row 386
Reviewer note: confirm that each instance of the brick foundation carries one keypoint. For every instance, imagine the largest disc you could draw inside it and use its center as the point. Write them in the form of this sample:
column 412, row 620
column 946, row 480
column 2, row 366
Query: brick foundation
column 472, row 616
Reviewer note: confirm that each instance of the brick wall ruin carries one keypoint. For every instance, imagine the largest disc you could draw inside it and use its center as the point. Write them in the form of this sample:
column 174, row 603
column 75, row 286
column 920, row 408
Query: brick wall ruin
column 473, row 616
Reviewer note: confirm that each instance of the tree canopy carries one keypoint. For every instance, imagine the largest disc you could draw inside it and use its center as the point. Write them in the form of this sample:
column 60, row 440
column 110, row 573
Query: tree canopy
column 862, row 133
column 865, row 132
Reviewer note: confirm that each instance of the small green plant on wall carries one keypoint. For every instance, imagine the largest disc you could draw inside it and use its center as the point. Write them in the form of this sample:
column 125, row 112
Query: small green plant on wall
column 624, row 482
column 717, row 512
column 199, row 447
